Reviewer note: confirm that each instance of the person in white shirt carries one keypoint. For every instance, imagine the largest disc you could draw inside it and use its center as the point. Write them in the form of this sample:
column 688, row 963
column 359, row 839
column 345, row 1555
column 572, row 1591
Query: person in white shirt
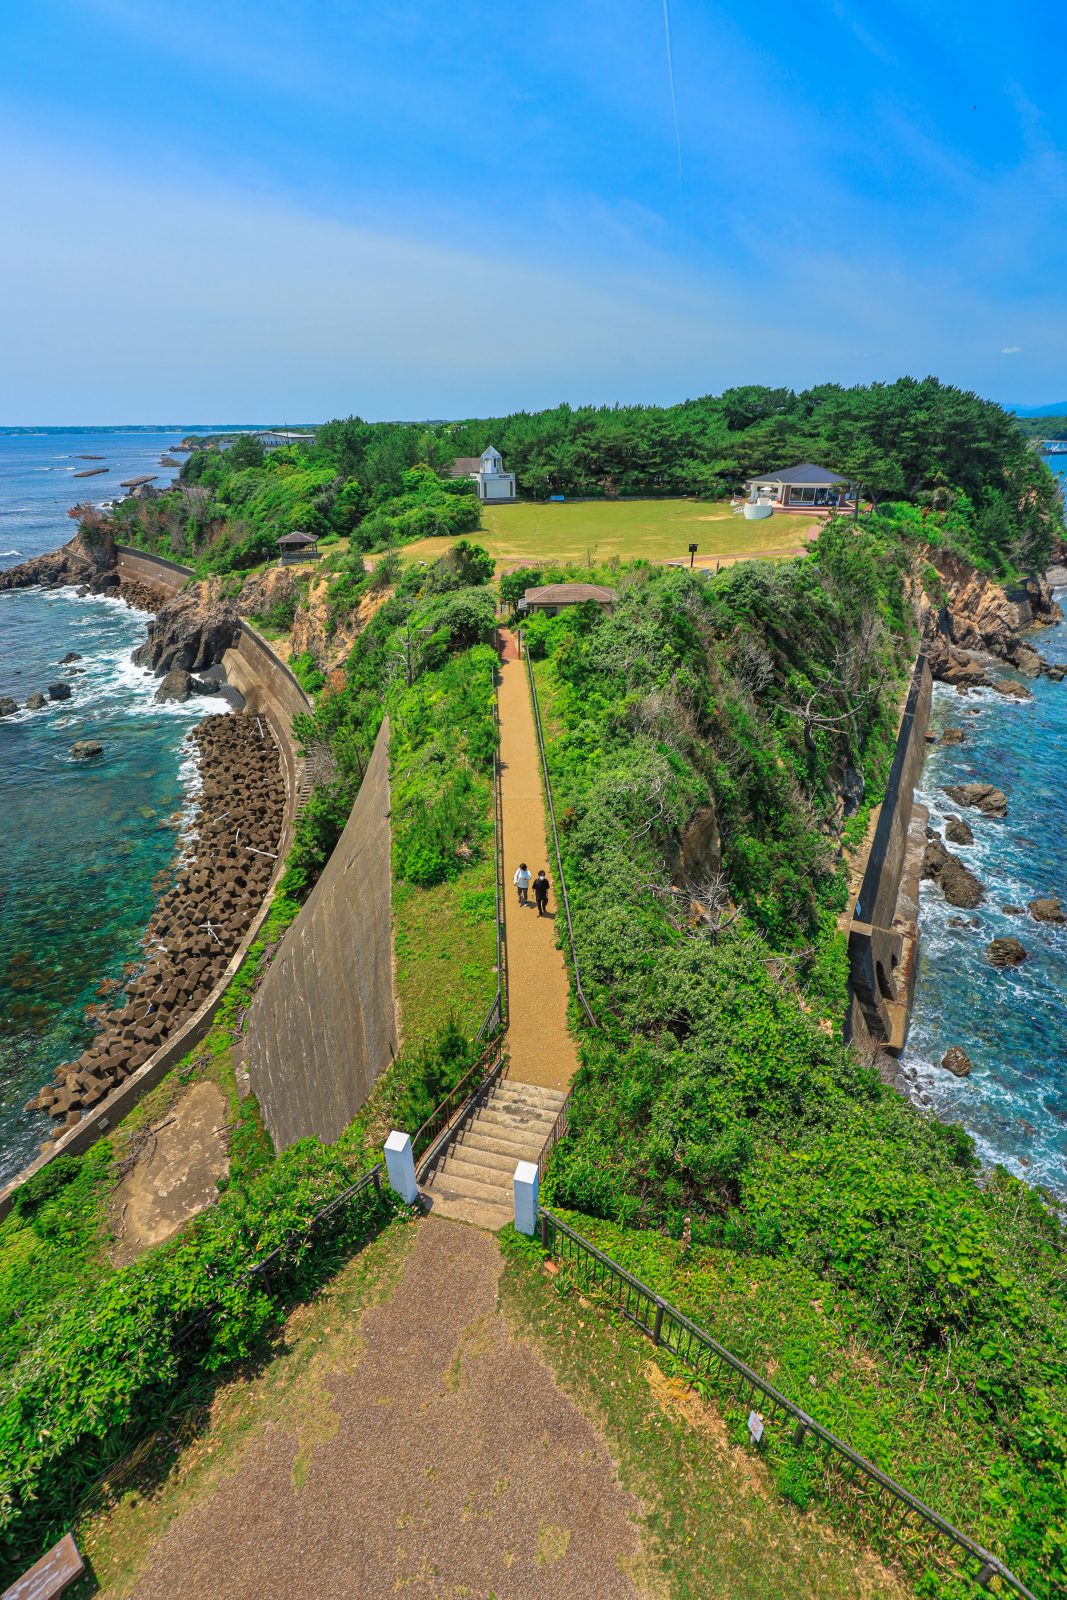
column 521, row 881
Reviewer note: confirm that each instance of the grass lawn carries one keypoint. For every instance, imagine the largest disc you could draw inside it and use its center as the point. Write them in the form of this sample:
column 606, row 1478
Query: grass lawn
column 444, row 941
column 594, row 531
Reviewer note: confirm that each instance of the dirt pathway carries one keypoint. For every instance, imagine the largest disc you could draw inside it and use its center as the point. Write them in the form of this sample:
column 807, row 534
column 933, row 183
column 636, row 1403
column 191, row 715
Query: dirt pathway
column 542, row 1050
column 456, row 1467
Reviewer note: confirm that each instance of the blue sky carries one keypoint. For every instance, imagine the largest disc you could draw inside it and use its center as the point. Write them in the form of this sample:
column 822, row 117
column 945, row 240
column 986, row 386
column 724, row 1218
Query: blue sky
column 267, row 211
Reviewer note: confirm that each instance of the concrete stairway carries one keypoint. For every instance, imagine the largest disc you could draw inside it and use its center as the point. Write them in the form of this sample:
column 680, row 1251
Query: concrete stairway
column 471, row 1178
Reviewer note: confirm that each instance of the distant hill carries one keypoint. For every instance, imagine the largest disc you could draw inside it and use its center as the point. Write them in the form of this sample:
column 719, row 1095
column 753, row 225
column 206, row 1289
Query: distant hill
column 1058, row 409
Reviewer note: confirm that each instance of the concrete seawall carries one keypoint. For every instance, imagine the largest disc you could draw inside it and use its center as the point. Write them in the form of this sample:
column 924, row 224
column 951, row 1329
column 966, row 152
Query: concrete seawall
column 881, row 946
column 270, row 689
column 323, row 1022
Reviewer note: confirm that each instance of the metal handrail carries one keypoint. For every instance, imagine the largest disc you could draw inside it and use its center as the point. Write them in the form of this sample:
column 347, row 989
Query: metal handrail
column 440, row 1124
column 556, row 1132
column 667, row 1326
column 496, row 1018
column 555, row 839
column 261, row 1268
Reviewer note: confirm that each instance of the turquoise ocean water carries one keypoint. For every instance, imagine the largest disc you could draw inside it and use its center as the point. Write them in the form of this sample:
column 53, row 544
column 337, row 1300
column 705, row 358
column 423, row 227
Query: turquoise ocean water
column 81, row 843
column 1013, row 1024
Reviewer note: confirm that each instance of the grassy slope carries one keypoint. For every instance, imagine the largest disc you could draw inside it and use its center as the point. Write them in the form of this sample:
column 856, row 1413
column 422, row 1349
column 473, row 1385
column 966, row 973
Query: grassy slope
column 629, row 530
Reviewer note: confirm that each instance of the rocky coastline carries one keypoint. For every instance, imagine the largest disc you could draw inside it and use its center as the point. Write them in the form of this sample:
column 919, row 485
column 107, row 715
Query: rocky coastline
column 226, row 856
column 201, row 916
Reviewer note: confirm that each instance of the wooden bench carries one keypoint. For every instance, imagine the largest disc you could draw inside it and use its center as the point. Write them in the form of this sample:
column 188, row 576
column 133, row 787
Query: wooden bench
column 51, row 1576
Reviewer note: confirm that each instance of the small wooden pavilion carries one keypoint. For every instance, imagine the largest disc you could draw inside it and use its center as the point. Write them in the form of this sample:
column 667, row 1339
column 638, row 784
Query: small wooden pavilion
column 294, row 547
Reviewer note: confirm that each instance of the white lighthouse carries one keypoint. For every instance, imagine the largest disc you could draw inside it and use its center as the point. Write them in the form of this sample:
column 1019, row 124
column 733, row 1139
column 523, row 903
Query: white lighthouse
column 493, row 482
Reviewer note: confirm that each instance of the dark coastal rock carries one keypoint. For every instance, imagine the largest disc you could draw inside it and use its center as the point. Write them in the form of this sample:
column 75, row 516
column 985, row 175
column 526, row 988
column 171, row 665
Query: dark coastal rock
column 59, row 691
column 953, row 736
column 1025, row 659
column 77, row 561
column 104, row 582
column 990, row 801
column 86, row 749
column 180, row 685
column 1047, row 909
column 71, row 655
column 1014, row 911
column 7, row 706
column 957, row 831
column 956, row 1061
column 189, row 632
column 964, row 922
column 1006, row 952
column 1055, row 673
column 959, row 884
column 36, row 702
column 1012, row 690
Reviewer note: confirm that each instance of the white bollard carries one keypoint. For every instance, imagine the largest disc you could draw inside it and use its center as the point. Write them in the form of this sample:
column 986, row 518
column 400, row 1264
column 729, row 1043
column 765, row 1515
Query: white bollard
column 524, row 1185
column 400, row 1165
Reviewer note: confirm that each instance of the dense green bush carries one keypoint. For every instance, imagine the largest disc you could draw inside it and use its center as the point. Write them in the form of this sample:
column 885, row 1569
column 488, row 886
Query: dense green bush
column 717, row 1099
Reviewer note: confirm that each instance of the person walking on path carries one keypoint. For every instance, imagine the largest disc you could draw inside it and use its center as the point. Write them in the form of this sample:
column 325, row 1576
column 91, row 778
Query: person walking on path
column 540, row 889
column 521, row 881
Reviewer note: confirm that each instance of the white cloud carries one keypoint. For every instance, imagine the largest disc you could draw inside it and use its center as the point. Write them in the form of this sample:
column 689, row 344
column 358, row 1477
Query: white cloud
column 1012, row 350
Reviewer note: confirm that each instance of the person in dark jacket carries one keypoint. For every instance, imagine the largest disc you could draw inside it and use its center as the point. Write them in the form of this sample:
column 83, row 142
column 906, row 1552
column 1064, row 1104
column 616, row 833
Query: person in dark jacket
column 540, row 889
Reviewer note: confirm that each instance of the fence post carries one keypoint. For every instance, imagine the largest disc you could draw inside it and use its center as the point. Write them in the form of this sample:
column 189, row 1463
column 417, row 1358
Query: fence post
column 400, row 1165
column 657, row 1326
column 524, row 1186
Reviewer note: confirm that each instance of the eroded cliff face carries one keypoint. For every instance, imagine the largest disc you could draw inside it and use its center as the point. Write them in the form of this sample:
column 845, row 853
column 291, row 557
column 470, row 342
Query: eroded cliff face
column 193, row 631
column 979, row 619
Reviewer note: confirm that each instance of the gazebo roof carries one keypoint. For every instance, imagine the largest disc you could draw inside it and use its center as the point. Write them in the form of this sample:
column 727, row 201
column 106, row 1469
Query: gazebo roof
column 294, row 541
column 569, row 594
column 806, row 475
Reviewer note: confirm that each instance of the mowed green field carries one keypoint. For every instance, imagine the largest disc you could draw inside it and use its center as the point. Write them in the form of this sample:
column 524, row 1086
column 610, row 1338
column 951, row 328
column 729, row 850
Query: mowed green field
column 596, row 530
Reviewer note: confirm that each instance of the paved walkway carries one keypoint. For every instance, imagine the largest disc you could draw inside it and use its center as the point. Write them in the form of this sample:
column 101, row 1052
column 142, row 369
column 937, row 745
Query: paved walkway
column 457, row 1468
column 540, row 1045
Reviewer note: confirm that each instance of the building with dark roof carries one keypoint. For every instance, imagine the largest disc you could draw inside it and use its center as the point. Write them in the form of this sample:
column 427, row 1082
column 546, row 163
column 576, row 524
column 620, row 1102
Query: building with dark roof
column 293, row 547
column 806, row 484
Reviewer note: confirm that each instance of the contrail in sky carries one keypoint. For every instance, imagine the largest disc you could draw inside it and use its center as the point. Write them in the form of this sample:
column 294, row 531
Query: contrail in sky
column 670, row 79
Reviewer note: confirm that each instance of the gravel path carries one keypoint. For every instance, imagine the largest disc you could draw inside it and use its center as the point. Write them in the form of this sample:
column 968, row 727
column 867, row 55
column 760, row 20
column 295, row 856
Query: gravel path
column 541, row 1048
column 458, row 1468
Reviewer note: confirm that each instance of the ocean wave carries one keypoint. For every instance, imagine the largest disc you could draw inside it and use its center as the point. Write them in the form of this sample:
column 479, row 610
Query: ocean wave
column 10, row 553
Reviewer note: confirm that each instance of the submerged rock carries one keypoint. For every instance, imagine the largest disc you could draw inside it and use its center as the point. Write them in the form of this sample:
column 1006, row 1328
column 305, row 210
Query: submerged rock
column 1013, row 690
column 1014, row 911
column 59, row 691
column 1005, row 953
column 957, row 1061
column 7, row 705
column 957, row 831
column 1047, row 910
column 984, row 797
column 86, row 749
column 953, row 735
column 36, row 702
column 71, row 655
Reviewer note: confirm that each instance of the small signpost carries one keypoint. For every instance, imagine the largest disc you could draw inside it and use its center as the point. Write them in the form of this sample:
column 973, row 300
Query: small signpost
column 692, row 553
column 755, row 1427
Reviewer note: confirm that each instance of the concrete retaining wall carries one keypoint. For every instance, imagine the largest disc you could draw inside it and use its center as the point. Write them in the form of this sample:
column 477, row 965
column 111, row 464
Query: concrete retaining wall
column 875, row 945
column 323, row 1022
column 269, row 688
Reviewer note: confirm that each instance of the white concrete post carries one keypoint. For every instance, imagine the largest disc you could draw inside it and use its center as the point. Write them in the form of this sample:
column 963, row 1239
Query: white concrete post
column 400, row 1165
column 524, row 1185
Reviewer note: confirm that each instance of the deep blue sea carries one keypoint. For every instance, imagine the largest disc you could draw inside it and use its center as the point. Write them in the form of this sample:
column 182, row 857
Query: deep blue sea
column 81, row 842
column 1013, row 1024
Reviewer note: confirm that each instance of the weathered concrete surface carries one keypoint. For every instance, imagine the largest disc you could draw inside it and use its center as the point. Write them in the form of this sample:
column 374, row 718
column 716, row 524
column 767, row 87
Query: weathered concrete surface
column 178, row 1174
column 138, row 567
column 323, row 1023
column 875, row 946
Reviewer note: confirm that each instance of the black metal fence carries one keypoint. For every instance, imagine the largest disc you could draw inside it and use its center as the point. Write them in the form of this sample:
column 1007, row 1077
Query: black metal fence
column 281, row 1261
column 595, row 1272
column 561, row 879
column 496, row 1018
column 558, row 1129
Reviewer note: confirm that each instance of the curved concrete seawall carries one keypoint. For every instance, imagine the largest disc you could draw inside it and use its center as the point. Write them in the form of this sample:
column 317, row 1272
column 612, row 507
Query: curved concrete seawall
column 882, row 943
column 323, row 1022
column 270, row 689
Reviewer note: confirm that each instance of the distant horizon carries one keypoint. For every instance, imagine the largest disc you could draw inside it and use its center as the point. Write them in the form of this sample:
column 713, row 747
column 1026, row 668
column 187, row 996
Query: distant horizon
column 1050, row 409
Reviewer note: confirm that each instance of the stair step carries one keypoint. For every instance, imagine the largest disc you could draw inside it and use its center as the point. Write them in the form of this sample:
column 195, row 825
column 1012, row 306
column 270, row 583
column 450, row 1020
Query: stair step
column 498, row 1142
column 472, row 1149
column 460, row 1166
column 460, row 1209
column 518, row 1121
column 443, row 1181
column 532, row 1092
